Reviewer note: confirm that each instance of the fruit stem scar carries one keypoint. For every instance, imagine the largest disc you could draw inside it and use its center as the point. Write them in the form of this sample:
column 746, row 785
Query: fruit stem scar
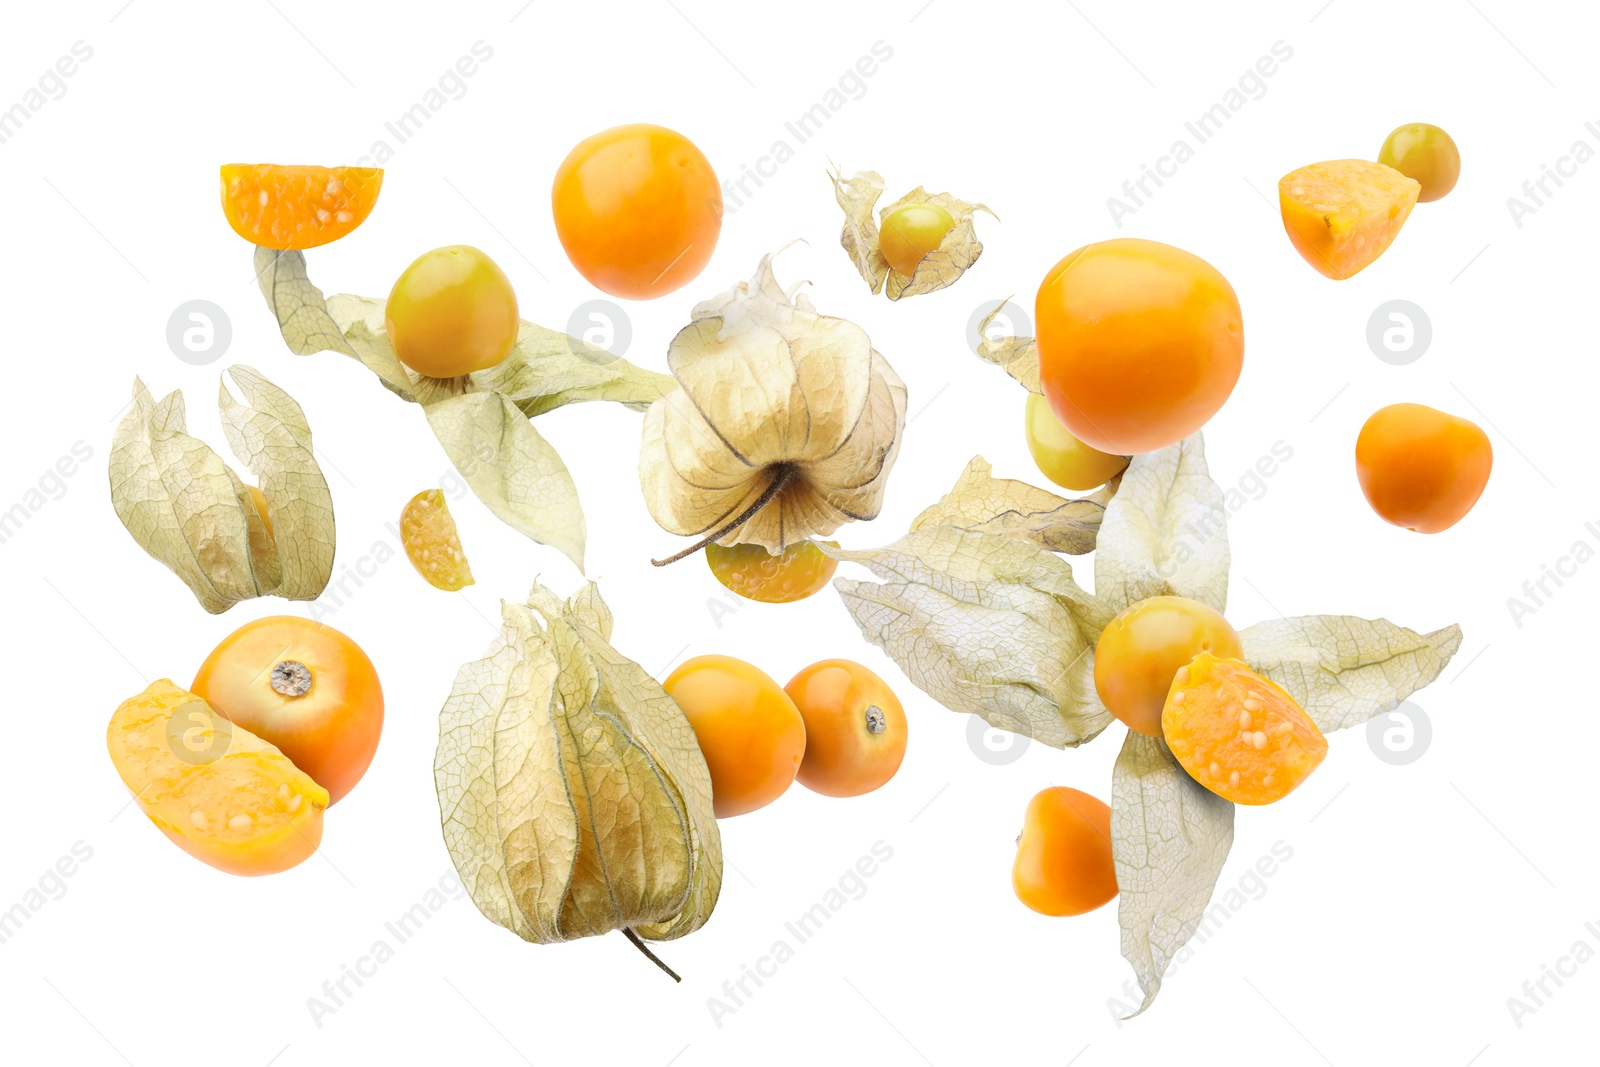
column 290, row 678
column 651, row 956
column 877, row 722
column 783, row 474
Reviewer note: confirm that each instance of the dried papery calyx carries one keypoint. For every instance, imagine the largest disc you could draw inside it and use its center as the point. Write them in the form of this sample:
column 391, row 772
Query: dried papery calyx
column 919, row 244
column 783, row 426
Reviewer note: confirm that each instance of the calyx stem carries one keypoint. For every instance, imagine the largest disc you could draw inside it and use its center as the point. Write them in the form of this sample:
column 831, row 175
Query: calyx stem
column 780, row 481
column 651, row 956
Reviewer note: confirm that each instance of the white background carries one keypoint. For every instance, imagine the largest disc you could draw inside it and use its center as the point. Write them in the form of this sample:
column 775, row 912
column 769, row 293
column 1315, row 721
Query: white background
column 1417, row 899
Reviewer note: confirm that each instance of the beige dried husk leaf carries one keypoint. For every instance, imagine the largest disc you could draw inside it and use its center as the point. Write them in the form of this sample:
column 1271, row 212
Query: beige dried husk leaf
column 1017, row 356
column 190, row 511
column 573, row 795
column 1004, row 506
column 480, row 419
column 959, row 249
column 783, row 426
column 984, row 620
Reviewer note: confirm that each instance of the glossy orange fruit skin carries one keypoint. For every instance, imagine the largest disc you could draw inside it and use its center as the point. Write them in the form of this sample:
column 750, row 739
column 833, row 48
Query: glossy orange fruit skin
column 638, row 210
column 799, row 571
column 1422, row 468
column 1239, row 733
column 1140, row 343
column 855, row 728
column 451, row 312
column 1064, row 864
column 331, row 732
column 1144, row 646
column 750, row 732
column 297, row 207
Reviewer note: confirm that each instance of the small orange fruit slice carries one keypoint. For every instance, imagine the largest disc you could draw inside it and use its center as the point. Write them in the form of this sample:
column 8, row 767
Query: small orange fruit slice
column 297, row 207
column 1342, row 215
column 432, row 545
column 1239, row 734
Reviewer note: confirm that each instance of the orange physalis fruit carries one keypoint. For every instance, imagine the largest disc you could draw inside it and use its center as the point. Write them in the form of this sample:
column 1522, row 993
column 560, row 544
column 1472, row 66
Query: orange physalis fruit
column 432, row 545
column 1341, row 215
column 297, row 207
column 1239, row 734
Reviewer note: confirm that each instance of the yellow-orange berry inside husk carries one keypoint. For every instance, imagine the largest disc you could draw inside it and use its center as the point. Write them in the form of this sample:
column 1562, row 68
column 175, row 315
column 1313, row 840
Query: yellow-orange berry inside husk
column 1239, row 734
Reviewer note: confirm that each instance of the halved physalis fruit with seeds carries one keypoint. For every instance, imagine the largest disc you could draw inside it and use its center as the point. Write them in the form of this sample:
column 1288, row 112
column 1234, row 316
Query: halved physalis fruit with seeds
column 1341, row 215
column 756, row 574
column 297, row 207
column 218, row 791
column 1237, row 733
column 432, row 545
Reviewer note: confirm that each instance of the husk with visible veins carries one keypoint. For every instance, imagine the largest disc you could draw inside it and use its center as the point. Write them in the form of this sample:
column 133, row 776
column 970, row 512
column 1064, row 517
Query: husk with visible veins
column 190, row 511
column 573, row 795
column 958, row 250
column 770, row 393
column 979, row 616
column 510, row 467
column 986, row 504
column 1017, row 356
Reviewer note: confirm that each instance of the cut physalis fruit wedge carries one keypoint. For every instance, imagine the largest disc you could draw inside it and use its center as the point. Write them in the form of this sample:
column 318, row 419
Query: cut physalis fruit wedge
column 1237, row 733
column 297, row 207
column 432, row 545
column 1342, row 215
column 219, row 792
column 772, row 578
